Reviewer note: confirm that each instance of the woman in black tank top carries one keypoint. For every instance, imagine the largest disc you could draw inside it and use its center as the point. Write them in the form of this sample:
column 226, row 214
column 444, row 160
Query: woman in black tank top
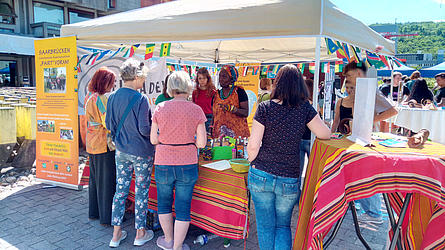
column 344, row 107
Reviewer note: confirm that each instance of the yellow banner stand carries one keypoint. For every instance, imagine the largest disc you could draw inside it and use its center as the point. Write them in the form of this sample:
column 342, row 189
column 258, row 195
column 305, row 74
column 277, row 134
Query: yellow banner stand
column 57, row 145
column 249, row 78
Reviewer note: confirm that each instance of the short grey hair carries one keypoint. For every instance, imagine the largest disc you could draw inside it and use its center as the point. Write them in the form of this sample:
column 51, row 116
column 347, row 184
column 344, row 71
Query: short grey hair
column 131, row 69
column 179, row 83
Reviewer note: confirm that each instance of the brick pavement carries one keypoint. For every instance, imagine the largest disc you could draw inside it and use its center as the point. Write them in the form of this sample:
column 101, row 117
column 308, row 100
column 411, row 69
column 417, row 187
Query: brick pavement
column 41, row 217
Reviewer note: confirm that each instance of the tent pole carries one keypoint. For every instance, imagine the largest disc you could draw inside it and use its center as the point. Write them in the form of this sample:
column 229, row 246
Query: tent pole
column 391, row 98
column 316, row 78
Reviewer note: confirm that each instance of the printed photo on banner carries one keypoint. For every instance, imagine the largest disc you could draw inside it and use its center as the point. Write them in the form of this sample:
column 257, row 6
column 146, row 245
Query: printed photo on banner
column 54, row 80
column 152, row 87
column 46, row 126
column 66, row 134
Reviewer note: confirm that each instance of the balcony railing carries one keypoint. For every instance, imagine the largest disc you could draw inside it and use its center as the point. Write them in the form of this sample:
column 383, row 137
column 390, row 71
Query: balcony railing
column 45, row 29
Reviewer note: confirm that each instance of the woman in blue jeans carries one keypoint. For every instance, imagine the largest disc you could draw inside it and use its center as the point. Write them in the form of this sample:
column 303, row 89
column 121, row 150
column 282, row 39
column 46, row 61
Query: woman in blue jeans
column 176, row 123
column 274, row 153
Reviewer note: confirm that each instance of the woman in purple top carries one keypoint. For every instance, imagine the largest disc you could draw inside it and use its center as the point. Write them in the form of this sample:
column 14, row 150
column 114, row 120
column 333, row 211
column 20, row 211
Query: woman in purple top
column 274, row 153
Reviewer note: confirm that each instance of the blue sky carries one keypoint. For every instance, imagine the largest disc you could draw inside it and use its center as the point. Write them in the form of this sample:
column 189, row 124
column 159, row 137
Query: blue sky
column 386, row 11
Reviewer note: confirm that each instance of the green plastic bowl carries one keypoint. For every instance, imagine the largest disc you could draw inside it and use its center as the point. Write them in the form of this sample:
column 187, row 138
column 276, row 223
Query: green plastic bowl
column 240, row 165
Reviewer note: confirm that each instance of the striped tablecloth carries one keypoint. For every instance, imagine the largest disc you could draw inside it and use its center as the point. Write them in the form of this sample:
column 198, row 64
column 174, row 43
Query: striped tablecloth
column 340, row 171
column 219, row 203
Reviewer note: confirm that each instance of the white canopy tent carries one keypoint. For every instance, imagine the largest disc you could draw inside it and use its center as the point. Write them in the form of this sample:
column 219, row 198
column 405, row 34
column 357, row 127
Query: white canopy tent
column 230, row 31
column 233, row 31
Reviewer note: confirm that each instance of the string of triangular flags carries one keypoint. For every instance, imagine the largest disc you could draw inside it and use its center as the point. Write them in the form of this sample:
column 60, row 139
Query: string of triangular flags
column 125, row 51
column 349, row 53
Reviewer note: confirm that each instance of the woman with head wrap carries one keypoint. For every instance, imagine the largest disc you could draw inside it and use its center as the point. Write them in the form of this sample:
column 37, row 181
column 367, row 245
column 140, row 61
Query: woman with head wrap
column 230, row 106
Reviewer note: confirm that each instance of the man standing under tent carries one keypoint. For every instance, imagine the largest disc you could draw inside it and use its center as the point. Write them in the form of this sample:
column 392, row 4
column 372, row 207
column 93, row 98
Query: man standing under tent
column 440, row 94
column 386, row 90
column 383, row 110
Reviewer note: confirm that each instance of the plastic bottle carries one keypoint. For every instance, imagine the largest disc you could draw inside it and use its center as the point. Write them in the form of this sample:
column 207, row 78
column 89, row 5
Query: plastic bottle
column 203, row 239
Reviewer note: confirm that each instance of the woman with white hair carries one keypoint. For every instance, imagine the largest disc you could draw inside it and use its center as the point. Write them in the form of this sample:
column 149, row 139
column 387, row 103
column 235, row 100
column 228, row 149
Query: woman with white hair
column 175, row 125
column 129, row 119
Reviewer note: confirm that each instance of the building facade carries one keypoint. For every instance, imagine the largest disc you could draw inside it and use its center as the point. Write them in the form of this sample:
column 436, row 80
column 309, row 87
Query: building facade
column 22, row 21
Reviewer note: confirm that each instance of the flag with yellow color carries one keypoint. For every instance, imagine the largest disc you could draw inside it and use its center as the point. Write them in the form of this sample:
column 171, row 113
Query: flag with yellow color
column 149, row 49
column 165, row 49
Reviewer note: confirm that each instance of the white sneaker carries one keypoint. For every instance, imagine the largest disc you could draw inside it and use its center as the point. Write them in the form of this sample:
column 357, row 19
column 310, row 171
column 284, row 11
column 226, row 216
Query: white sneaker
column 366, row 218
column 147, row 237
column 117, row 243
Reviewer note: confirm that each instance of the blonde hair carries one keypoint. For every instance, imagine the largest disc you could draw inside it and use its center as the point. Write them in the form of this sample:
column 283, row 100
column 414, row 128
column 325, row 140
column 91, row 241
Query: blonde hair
column 179, row 83
column 132, row 68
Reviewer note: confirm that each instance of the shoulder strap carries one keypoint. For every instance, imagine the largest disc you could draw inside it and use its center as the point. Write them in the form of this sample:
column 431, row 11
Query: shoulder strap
column 126, row 112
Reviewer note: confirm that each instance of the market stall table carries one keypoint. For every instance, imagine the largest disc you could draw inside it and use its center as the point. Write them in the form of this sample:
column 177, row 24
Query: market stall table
column 340, row 171
column 219, row 203
column 416, row 119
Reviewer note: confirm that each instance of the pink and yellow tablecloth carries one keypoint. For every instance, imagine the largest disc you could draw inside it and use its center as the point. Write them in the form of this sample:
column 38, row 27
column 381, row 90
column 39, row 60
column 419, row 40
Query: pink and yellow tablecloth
column 340, row 171
column 219, row 202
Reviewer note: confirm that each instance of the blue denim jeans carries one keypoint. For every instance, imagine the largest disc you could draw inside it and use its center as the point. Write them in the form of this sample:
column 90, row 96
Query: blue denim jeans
column 125, row 165
column 182, row 178
column 371, row 205
column 274, row 198
column 305, row 149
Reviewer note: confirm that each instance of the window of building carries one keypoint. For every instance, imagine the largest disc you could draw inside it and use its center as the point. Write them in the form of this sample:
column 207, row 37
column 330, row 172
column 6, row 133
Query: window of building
column 79, row 16
column 47, row 13
column 8, row 73
column 7, row 15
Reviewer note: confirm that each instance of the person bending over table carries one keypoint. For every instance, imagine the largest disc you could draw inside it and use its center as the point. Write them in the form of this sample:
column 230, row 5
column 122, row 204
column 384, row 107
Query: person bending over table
column 134, row 152
column 383, row 110
column 420, row 92
column 176, row 159
column 230, row 106
column 274, row 175
column 102, row 181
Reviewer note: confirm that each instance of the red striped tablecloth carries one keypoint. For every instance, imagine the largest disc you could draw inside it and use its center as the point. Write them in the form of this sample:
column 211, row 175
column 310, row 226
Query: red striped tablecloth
column 219, row 203
column 340, row 171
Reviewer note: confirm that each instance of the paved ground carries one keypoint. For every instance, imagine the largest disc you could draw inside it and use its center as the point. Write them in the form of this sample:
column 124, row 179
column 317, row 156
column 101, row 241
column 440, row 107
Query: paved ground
column 42, row 217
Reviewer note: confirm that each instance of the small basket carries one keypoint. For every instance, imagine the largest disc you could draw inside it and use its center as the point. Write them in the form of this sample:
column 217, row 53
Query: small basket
column 240, row 165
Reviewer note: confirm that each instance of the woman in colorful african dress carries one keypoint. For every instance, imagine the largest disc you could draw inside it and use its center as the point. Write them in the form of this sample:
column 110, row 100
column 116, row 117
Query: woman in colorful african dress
column 230, row 106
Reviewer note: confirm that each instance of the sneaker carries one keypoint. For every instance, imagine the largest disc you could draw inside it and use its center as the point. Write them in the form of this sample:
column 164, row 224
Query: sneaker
column 366, row 218
column 147, row 237
column 117, row 243
column 164, row 244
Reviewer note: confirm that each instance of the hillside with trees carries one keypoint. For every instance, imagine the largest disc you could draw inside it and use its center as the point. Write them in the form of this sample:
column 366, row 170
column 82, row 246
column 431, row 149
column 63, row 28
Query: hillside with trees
column 431, row 37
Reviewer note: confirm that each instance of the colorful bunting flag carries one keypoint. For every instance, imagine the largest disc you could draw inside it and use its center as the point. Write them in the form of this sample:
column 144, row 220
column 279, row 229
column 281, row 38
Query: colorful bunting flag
column 126, row 53
column 245, row 70
column 338, row 66
column 374, row 60
column 397, row 61
column 133, row 49
column 92, row 58
column 165, row 49
column 117, row 51
column 263, row 70
column 331, row 46
column 255, row 70
column 102, row 54
column 149, row 49
column 384, row 59
column 340, row 51
column 347, row 52
column 354, row 55
column 312, row 67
